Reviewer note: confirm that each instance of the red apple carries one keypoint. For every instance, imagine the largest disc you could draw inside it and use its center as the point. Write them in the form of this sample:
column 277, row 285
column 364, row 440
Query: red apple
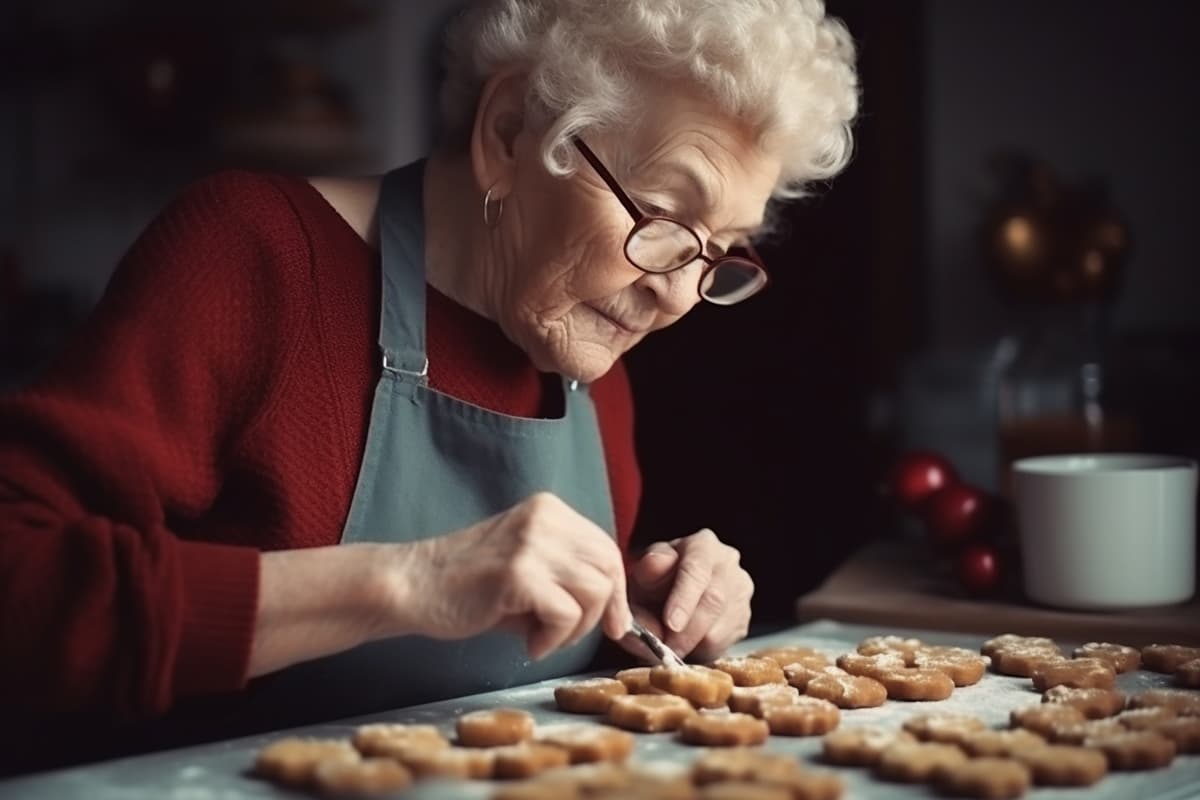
column 917, row 475
column 979, row 568
column 956, row 513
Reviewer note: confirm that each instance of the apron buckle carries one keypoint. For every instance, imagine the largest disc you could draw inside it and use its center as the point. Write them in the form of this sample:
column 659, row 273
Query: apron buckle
column 390, row 367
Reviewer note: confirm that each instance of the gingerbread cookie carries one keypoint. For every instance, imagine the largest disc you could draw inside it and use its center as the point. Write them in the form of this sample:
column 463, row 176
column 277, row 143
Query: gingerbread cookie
column 637, row 680
column 536, row 789
column 585, row 778
column 1188, row 674
column 943, row 727
column 646, row 783
column 997, row 643
column 1118, row 656
column 723, row 729
column 871, row 666
column 817, row 785
column 808, row 716
column 1078, row 732
column 392, row 740
column 798, row 675
column 860, row 746
column 986, row 777
column 915, row 762
column 609, row 782
column 369, row 777
column 999, row 744
column 744, row 764
column 1185, row 704
column 744, row 790
column 1134, row 750
column 590, row 696
column 1023, row 663
column 493, row 727
column 1167, row 658
column 1011, row 640
column 527, row 758
column 1063, row 765
column 294, row 760
column 845, row 690
column 749, row 671
column 1145, row 719
column 1093, row 703
column 755, row 768
column 703, row 686
column 810, row 785
column 451, row 762
column 588, row 743
column 649, row 713
column 1020, row 655
column 793, row 655
column 905, row 648
column 753, row 699
column 1080, row 673
column 1043, row 719
column 1184, row 731
column 960, row 665
column 917, row 684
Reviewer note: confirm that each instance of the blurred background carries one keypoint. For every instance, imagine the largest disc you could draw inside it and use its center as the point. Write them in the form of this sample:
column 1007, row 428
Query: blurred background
column 1006, row 267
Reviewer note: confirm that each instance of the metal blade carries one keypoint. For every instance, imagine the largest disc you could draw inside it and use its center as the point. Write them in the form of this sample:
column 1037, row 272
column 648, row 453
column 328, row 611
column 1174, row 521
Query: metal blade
column 663, row 653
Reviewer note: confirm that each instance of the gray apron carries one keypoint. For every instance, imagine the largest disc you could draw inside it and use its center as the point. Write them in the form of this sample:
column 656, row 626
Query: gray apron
column 433, row 465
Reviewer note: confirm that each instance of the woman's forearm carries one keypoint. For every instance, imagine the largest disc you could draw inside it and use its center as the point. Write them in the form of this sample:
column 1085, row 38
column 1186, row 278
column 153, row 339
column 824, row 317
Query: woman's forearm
column 319, row 601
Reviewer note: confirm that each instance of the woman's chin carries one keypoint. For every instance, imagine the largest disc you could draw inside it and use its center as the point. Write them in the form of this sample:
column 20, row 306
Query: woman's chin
column 587, row 364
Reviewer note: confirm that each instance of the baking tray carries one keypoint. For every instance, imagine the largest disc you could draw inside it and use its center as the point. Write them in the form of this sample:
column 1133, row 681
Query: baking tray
column 219, row 771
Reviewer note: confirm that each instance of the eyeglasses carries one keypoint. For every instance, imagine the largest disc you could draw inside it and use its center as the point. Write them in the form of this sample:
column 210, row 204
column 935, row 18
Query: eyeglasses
column 659, row 245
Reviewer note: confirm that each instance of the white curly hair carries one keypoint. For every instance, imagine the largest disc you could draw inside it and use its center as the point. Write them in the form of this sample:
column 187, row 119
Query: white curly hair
column 781, row 66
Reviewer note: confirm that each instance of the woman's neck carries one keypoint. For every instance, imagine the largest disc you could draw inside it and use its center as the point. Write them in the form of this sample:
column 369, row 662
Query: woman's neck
column 456, row 252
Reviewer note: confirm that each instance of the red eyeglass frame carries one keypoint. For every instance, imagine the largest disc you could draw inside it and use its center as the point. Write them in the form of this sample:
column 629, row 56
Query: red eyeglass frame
column 641, row 219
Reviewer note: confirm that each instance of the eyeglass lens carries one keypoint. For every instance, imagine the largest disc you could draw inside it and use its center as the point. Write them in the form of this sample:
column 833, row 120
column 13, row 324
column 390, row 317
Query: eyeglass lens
column 663, row 245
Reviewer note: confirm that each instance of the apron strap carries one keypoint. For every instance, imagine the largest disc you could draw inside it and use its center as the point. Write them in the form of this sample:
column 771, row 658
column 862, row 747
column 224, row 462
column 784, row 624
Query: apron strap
column 402, row 245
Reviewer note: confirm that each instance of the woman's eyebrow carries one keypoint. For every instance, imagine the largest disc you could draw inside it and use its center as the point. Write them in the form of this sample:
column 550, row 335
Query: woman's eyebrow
column 703, row 190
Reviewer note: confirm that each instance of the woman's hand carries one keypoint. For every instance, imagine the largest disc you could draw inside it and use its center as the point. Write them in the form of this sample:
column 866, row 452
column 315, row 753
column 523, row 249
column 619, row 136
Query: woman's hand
column 697, row 586
column 540, row 569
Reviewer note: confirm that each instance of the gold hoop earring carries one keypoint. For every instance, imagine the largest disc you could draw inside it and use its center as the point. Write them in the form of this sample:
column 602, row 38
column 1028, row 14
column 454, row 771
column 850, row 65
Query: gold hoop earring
column 488, row 219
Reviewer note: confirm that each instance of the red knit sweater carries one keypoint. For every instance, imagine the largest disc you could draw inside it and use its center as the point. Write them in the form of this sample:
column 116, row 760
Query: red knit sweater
column 215, row 405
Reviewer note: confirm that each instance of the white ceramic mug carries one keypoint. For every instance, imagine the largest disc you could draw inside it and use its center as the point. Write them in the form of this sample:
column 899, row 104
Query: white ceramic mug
column 1107, row 530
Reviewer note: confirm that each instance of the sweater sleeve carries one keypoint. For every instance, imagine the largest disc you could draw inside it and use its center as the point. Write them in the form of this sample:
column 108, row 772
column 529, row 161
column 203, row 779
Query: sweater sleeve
column 104, row 609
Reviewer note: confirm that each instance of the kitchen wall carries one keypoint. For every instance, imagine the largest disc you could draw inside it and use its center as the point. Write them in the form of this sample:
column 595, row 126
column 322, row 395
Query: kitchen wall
column 69, row 221
column 1096, row 88
column 882, row 264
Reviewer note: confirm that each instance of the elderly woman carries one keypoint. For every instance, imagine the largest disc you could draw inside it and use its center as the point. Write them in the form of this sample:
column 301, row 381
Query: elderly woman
column 345, row 445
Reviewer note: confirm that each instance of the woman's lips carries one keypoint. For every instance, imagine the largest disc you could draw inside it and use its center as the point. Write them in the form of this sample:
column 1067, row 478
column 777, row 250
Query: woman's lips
column 630, row 328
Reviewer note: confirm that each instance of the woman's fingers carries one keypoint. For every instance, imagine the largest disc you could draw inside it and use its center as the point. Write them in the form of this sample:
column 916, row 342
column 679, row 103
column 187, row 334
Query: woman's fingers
column 593, row 591
column 539, row 561
column 708, row 605
column 733, row 625
column 593, row 549
column 710, row 608
column 585, row 562
column 556, row 614
column 698, row 558
column 650, row 576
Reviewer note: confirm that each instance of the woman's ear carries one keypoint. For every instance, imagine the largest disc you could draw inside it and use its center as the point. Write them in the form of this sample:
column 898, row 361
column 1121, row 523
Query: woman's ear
column 499, row 119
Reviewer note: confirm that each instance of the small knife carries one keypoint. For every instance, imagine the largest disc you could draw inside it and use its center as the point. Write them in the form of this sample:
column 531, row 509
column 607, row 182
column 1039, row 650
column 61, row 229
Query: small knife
column 663, row 653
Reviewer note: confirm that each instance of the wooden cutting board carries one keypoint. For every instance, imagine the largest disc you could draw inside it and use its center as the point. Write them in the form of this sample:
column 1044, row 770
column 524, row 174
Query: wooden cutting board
column 894, row 583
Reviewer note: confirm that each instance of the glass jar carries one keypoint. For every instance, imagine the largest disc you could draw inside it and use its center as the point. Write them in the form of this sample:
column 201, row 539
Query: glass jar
column 1054, row 396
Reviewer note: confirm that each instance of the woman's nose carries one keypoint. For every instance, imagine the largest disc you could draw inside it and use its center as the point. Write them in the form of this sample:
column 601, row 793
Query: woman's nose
column 675, row 293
